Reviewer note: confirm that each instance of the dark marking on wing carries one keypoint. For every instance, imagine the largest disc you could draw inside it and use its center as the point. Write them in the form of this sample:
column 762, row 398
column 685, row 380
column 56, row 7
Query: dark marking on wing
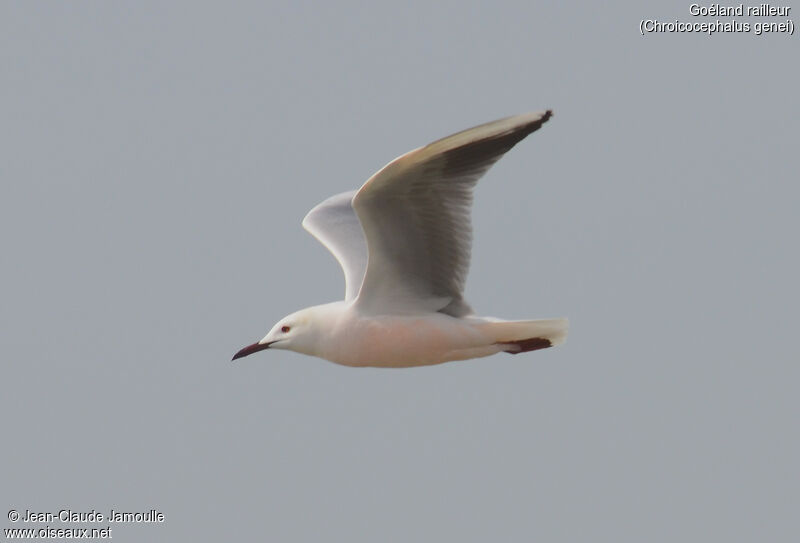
column 530, row 344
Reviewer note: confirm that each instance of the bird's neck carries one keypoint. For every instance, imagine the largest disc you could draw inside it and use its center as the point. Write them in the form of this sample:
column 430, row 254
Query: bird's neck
column 326, row 321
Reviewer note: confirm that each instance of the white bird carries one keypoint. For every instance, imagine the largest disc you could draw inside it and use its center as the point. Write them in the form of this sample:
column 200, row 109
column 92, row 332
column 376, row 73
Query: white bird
column 403, row 240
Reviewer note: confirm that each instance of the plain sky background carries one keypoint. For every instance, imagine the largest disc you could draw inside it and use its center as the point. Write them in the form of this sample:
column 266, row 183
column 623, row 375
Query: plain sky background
column 158, row 157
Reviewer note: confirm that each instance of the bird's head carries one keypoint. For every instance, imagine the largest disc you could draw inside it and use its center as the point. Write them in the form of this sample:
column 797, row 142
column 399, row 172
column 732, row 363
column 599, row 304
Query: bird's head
column 294, row 332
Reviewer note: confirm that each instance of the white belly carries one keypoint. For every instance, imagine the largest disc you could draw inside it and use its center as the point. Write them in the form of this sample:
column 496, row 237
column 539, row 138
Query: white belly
column 401, row 341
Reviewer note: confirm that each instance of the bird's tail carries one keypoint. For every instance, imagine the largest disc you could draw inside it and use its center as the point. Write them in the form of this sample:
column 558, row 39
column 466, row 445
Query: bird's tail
column 522, row 336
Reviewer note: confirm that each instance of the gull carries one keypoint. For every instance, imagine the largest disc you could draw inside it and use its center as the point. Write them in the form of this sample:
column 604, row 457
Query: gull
column 403, row 241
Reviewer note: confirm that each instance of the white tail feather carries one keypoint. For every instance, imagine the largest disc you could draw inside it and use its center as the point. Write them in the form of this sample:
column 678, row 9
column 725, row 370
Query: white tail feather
column 514, row 332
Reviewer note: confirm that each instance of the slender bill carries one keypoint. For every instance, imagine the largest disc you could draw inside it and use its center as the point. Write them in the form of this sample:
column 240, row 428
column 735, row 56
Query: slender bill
column 250, row 349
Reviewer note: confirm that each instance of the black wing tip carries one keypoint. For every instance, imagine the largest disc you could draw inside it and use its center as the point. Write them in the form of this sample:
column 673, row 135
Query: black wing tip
column 537, row 123
column 488, row 150
column 530, row 344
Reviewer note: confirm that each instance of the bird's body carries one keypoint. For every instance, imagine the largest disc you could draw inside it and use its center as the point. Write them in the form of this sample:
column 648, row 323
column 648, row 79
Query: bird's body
column 403, row 241
column 352, row 339
column 342, row 334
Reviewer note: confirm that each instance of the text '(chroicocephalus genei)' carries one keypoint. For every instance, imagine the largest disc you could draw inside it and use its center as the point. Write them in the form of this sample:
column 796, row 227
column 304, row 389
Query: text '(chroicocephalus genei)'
column 403, row 240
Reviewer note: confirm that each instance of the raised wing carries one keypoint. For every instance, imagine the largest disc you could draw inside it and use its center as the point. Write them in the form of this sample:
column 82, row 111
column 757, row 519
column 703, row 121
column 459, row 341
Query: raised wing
column 415, row 214
column 335, row 224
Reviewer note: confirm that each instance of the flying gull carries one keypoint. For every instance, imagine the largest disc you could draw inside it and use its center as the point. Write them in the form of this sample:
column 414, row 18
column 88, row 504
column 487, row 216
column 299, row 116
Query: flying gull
column 403, row 241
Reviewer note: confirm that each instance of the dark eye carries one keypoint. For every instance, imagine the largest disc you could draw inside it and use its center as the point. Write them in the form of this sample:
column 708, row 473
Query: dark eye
column 285, row 329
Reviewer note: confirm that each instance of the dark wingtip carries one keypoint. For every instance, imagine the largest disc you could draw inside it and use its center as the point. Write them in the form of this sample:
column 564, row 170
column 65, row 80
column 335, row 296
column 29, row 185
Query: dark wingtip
column 250, row 349
column 530, row 344
column 535, row 125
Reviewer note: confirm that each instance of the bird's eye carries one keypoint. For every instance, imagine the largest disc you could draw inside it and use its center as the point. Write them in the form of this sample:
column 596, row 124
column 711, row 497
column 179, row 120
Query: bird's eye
column 285, row 329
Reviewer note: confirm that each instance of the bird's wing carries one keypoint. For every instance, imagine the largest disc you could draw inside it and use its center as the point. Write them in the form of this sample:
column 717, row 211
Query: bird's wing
column 336, row 226
column 415, row 214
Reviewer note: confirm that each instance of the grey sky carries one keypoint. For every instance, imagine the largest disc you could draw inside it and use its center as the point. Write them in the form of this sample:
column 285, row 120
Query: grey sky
column 158, row 158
